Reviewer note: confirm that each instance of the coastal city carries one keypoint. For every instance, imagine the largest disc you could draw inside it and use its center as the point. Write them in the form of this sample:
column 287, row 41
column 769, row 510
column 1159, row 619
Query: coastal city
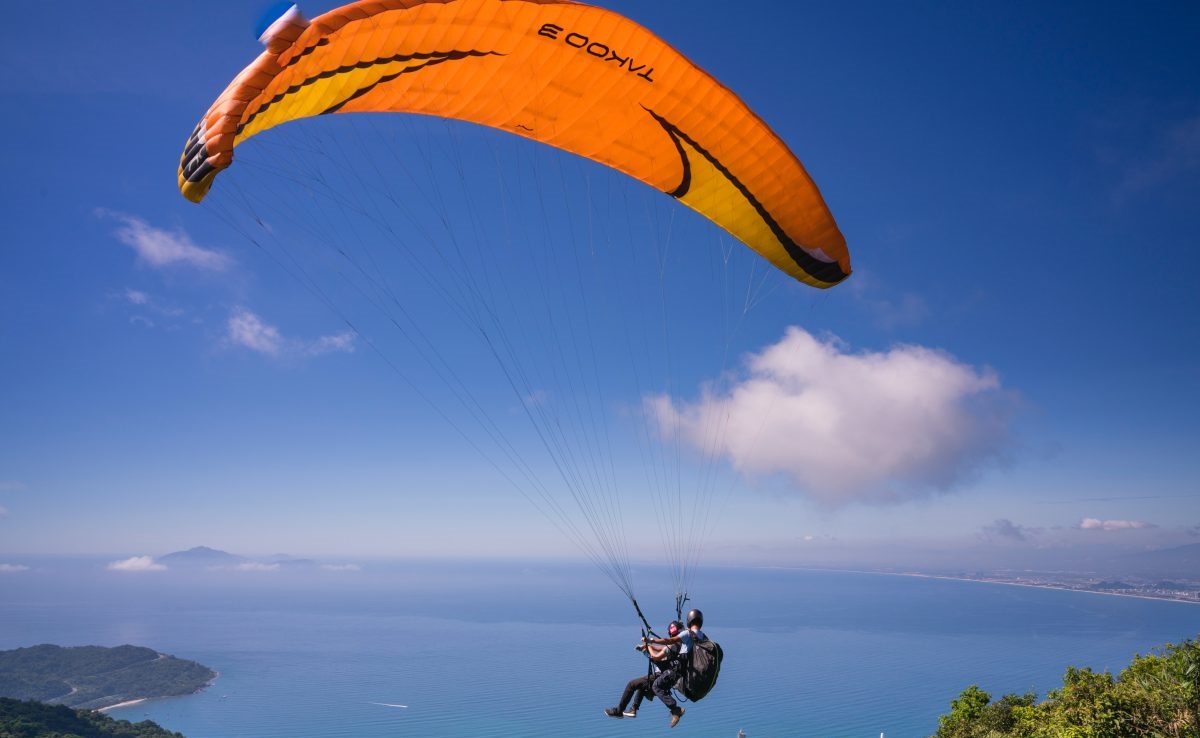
column 1178, row 588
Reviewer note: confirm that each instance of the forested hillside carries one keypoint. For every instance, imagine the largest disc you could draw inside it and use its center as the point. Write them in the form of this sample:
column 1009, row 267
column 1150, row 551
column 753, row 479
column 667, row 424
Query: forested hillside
column 1156, row 696
column 29, row 719
column 95, row 677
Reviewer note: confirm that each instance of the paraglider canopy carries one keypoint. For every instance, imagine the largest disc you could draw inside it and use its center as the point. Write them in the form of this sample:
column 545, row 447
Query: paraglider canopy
column 573, row 76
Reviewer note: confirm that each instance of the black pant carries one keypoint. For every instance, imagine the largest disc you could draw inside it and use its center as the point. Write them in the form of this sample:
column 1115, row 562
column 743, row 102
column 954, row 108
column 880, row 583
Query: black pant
column 637, row 689
column 662, row 689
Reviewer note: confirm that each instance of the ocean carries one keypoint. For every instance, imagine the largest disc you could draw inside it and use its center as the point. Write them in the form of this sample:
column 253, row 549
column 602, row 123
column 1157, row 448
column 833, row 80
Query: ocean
column 475, row 649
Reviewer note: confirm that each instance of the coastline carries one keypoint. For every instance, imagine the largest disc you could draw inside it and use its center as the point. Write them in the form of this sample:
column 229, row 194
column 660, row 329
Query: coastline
column 127, row 703
column 1063, row 587
column 140, row 700
column 1059, row 587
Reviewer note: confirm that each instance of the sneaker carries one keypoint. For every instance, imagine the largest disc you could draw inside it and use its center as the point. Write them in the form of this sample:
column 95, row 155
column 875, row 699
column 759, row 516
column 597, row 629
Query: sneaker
column 613, row 713
column 675, row 717
column 630, row 713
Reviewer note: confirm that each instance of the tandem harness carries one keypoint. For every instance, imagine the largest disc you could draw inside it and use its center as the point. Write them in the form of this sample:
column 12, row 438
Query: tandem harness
column 676, row 664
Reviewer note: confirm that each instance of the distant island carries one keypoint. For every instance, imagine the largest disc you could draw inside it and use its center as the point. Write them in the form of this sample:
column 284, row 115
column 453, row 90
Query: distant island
column 203, row 557
column 31, row 719
column 95, row 677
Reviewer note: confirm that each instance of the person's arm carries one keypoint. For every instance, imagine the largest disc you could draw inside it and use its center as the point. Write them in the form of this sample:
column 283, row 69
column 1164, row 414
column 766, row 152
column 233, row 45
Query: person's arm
column 663, row 641
column 653, row 650
column 659, row 653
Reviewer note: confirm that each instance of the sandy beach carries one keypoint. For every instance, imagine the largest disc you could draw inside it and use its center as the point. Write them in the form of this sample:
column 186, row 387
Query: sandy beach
column 127, row 703
column 130, row 703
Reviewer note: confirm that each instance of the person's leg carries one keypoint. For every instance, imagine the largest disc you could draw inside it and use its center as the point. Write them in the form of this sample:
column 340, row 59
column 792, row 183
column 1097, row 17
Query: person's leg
column 633, row 688
column 662, row 689
column 634, row 685
column 642, row 692
column 641, row 687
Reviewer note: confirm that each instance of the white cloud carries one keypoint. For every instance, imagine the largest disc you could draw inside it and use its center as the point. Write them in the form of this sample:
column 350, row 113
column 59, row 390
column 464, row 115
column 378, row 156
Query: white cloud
column 161, row 248
column 867, row 427
column 137, row 297
column 144, row 300
column 340, row 342
column 255, row 566
column 1111, row 525
column 341, row 567
column 137, row 563
column 248, row 330
column 148, row 311
column 9, row 568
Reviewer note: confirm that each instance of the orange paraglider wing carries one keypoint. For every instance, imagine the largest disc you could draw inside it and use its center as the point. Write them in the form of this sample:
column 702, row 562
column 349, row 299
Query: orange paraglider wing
column 573, row 76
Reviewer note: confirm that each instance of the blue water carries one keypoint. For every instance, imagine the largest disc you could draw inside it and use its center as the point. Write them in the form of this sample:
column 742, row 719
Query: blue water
column 488, row 649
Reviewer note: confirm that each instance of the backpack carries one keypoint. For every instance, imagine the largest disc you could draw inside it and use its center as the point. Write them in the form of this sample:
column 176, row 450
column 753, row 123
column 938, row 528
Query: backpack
column 700, row 672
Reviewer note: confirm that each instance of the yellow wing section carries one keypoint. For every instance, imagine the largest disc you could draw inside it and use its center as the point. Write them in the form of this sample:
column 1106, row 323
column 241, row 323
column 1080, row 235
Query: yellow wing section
column 573, row 76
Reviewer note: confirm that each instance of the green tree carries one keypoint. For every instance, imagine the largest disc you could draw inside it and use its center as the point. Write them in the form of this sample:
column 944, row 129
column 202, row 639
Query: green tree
column 1086, row 707
column 1156, row 696
column 1163, row 692
column 30, row 719
column 974, row 715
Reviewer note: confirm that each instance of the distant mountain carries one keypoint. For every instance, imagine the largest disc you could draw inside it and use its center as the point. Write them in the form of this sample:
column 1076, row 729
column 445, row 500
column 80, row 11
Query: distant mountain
column 211, row 558
column 201, row 556
column 94, row 677
column 1179, row 561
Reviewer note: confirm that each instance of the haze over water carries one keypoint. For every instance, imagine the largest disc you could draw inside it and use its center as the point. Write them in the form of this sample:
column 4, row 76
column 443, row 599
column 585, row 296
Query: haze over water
column 482, row 648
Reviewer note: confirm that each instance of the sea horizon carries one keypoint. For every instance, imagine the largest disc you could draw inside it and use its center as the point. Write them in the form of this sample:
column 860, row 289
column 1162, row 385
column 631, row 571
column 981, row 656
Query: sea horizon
column 499, row 648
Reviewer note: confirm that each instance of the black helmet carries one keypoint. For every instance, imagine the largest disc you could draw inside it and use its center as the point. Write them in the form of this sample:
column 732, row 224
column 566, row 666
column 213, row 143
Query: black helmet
column 695, row 617
column 674, row 628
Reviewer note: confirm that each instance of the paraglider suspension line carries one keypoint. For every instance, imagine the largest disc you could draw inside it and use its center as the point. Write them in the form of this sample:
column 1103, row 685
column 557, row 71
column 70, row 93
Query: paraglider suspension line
column 646, row 623
column 681, row 599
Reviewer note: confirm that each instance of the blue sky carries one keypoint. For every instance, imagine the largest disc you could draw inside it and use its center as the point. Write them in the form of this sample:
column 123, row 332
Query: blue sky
column 1018, row 184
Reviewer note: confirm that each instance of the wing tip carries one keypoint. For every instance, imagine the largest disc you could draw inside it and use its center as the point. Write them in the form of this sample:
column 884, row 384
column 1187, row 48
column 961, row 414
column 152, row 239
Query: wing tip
column 281, row 25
